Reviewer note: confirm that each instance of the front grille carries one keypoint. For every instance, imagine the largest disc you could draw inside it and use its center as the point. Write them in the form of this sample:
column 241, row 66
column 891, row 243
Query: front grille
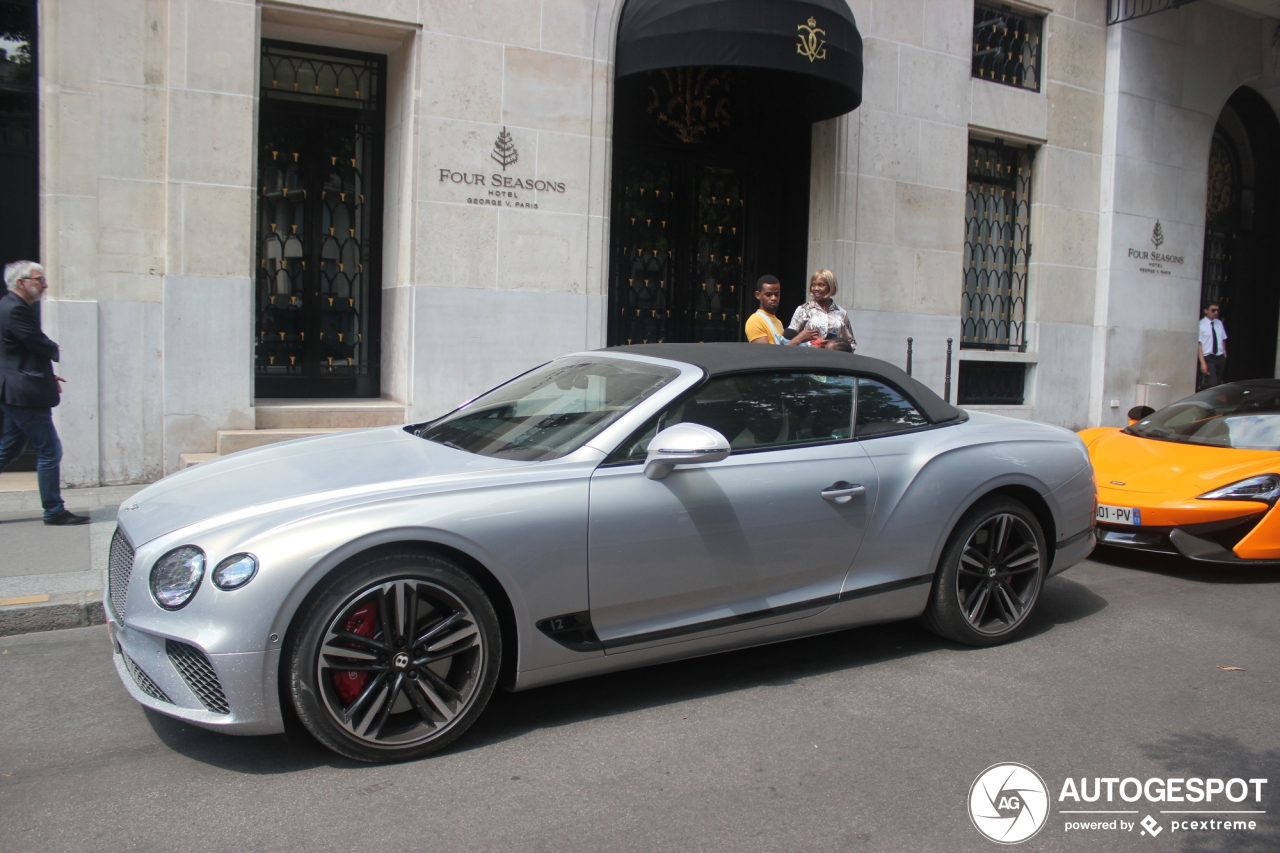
column 119, row 567
column 144, row 682
column 199, row 675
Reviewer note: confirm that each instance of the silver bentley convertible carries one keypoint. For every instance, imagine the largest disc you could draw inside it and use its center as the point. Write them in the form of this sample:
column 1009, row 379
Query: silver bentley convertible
column 606, row 510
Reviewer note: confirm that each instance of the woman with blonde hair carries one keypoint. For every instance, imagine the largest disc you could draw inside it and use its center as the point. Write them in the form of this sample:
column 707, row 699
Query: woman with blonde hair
column 822, row 314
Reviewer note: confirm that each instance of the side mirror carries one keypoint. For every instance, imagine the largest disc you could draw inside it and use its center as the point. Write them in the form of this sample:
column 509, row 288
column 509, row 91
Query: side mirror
column 682, row 444
column 1137, row 413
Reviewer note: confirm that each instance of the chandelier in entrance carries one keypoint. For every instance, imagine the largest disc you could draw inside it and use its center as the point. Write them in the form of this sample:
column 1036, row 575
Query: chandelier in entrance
column 690, row 102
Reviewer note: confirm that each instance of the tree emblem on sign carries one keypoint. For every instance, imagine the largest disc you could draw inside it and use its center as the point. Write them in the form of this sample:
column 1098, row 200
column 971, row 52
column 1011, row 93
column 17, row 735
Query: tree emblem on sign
column 811, row 45
column 504, row 150
column 1157, row 235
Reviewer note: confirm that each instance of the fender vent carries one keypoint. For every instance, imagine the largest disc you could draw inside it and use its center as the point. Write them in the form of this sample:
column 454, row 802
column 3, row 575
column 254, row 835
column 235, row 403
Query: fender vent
column 196, row 670
column 573, row 631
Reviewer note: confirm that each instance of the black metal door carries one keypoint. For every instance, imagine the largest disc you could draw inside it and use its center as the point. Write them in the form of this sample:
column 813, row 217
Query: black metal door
column 318, row 223
column 703, row 203
column 19, row 159
column 1242, row 221
column 679, row 244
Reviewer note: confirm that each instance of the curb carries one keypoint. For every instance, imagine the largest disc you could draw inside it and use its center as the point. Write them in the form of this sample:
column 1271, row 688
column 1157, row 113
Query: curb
column 54, row 612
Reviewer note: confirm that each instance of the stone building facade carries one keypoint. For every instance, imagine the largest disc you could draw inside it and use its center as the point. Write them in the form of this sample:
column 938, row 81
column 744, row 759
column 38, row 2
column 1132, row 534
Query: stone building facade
column 155, row 178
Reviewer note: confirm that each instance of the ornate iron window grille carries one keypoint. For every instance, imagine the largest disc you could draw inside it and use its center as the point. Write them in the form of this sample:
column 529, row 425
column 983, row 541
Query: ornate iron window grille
column 997, row 248
column 312, row 77
column 317, row 234
column 1221, row 217
column 1006, row 46
column 19, row 148
column 1119, row 11
column 19, row 132
column 991, row 383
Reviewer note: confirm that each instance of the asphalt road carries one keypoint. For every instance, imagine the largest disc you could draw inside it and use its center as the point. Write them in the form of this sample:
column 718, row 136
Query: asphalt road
column 863, row 740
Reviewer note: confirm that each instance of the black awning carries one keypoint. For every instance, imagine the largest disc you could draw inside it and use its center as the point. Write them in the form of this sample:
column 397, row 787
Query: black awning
column 816, row 40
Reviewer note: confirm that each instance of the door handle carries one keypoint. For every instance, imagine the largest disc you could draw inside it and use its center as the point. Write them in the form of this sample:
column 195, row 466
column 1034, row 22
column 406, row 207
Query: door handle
column 842, row 492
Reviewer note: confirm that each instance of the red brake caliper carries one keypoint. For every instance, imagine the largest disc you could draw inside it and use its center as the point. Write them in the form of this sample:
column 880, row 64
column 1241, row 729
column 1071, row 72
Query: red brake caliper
column 363, row 622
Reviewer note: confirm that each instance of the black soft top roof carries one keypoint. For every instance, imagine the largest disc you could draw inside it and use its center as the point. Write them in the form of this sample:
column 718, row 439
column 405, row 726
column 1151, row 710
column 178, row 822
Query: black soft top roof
column 719, row 359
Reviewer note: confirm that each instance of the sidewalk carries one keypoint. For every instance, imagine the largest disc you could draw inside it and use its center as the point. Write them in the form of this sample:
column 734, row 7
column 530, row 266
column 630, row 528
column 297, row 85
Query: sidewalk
column 53, row 577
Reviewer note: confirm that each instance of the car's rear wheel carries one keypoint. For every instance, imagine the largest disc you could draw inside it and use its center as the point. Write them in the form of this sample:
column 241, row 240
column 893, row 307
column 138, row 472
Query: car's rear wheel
column 395, row 658
column 990, row 574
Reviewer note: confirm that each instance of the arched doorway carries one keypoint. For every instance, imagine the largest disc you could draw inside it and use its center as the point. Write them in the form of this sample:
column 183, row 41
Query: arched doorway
column 1242, row 223
column 713, row 113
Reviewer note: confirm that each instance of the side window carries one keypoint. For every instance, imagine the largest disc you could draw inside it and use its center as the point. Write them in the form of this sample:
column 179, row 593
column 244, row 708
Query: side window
column 759, row 410
column 881, row 410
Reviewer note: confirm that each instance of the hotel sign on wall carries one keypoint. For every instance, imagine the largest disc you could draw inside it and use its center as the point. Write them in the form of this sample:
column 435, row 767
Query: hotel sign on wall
column 500, row 189
column 1154, row 261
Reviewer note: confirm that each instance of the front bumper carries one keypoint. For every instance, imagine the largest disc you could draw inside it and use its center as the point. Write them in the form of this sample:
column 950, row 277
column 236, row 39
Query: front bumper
column 1246, row 540
column 233, row 693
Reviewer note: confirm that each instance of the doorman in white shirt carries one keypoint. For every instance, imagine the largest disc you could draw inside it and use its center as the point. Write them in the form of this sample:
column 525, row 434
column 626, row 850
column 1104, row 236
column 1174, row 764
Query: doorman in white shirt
column 1212, row 348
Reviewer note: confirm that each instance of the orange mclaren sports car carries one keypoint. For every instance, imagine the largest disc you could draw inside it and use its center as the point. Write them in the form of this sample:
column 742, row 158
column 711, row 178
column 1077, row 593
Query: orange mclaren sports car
column 1199, row 478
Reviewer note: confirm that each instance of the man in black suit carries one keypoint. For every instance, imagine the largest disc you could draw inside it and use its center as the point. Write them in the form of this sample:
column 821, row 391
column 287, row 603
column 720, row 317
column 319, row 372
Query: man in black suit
column 28, row 387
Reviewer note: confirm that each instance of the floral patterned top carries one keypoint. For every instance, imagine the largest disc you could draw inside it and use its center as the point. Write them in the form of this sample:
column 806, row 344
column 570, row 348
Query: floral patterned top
column 833, row 319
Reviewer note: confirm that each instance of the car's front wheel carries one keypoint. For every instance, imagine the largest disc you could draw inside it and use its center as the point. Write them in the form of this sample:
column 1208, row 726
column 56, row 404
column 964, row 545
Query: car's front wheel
column 990, row 574
column 394, row 658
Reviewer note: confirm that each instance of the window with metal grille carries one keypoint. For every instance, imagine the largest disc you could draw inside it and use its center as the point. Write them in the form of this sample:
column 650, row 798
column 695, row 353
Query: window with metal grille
column 1006, row 46
column 991, row 383
column 997, row 247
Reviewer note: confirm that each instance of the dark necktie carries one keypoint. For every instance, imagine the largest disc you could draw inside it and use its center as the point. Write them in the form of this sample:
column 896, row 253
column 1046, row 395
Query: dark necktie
column 1213, row 327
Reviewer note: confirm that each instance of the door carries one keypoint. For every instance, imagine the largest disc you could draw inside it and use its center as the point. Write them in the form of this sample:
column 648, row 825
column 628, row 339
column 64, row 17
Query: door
column 680, row 234
column 704, row 202
column 751, row 539
column 318, row 224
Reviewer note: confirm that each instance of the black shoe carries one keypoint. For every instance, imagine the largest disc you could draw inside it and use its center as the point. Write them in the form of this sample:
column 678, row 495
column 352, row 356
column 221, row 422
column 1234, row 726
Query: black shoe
column 65, row 518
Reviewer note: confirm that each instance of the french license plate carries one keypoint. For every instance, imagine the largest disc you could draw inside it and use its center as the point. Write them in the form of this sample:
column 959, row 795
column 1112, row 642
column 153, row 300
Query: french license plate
column 1119, row 515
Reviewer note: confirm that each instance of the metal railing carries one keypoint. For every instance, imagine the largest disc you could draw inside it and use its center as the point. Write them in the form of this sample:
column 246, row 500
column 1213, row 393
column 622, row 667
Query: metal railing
column 1119, row 11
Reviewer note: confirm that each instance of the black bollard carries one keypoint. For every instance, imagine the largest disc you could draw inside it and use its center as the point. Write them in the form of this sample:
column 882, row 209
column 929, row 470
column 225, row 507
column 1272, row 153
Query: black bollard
column 909, row 340
column 946, row 392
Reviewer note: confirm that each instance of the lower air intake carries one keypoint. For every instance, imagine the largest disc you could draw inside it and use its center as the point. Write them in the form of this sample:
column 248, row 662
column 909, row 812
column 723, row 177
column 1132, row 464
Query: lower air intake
column 196, row 670
column 144, row 682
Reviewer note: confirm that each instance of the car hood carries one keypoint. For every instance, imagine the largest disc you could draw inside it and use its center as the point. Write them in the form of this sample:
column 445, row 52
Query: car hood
column 359, row 461
column 1126, row 462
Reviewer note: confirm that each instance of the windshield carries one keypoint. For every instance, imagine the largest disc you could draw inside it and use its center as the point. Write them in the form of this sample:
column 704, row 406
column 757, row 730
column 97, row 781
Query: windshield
column 1243, row 416
column 550, row 411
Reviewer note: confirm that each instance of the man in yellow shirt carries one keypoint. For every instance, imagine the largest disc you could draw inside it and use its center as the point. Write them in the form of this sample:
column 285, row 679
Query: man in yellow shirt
column 764, row 327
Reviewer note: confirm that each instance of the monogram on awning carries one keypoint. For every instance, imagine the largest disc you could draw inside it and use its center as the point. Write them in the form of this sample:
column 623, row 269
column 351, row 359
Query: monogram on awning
column 815, row 41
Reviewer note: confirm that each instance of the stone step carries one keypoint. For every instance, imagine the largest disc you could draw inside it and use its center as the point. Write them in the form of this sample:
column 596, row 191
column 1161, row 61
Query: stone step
column 326, row 413
column 186, row 460
column 233, row 440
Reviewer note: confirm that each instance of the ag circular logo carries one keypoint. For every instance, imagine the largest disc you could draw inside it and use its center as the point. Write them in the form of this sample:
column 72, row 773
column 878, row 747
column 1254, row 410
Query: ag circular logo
column 1008, row 803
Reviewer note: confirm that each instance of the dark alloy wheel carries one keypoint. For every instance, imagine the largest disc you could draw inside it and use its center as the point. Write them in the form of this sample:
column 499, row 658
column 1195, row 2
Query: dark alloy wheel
column 990, row 574
column 395, row 659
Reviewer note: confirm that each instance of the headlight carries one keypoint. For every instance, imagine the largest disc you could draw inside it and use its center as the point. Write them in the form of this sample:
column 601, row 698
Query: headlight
column 176, row 576
column 1265, row 488
column 235, row 571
